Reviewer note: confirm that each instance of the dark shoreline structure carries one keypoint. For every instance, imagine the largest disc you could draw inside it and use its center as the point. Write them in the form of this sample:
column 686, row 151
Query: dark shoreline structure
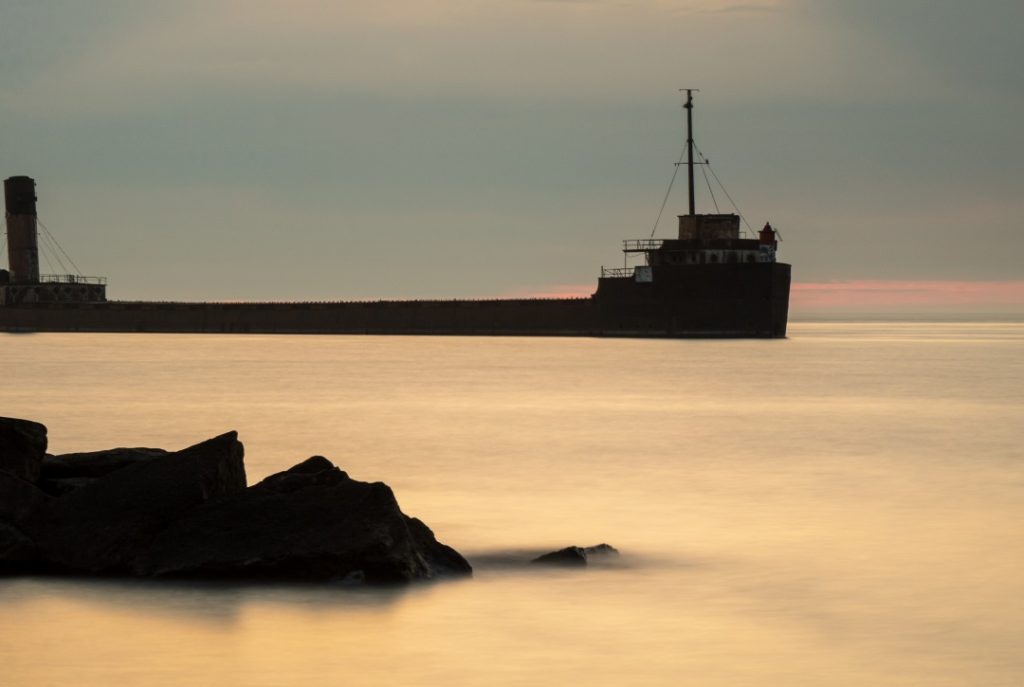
column 189, row 514
column 709, row 282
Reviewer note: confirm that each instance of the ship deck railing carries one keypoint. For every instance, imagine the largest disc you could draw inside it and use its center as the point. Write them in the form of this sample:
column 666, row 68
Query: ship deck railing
column 614, row 272
column 70, row 279
column 641, row 245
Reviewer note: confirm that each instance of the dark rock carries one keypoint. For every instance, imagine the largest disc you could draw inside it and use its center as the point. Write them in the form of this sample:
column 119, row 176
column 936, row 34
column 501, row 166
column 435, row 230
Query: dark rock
column 59, row 487
column 147, row 511
column 569, row 556
column 65, row 473
column 22, row 446
column 18, row 553
column 315, row 471
column 95, row 464
column 441, row 559
column 20, row 501
column 574, row 556
column 310, row 522
column 103, row 526
column 22, row 508
column 601, row 550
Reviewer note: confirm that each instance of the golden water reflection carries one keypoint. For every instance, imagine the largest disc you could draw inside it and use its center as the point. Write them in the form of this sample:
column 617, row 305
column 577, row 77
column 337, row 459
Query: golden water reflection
column 841, row 508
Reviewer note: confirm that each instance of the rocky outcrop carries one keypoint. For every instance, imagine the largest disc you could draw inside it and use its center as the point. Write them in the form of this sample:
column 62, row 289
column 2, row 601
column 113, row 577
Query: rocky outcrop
column 22, row 447
column 576, row 556
column 18, row 553
column 20, row 501
column 65, row 473
column 22, row 444
column 189, row 514
column 103, row 526
column 310, row 522
column 440, row 558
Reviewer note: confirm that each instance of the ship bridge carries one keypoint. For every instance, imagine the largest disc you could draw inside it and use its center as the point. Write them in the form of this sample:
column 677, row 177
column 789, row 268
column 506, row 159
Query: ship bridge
column 703, row 239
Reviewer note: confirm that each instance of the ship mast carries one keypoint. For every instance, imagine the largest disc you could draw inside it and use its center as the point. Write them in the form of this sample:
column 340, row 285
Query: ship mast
column 689, row 147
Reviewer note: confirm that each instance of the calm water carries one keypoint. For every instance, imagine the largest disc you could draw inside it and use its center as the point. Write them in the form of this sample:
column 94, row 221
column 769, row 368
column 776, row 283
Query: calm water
column 845, row 507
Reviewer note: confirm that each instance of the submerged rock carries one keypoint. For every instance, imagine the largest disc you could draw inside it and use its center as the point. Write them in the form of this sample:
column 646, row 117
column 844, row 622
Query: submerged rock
column 601, row 550
column 310, row 522
column 569, row 556
column 22, row 447
column 575, row 556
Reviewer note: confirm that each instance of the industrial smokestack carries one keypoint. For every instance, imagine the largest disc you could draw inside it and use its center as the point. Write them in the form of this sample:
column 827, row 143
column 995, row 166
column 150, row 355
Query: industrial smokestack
column 22, row 239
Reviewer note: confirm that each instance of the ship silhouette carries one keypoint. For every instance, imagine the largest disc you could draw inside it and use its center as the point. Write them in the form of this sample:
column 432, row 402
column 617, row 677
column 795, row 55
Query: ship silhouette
column 710, row 281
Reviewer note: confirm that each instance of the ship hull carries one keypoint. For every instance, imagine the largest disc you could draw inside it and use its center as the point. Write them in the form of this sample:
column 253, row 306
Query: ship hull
column 726, row 301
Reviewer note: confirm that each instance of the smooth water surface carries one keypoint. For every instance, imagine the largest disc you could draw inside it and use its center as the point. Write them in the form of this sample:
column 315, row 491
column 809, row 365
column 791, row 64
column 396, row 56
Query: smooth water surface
column 845, row 507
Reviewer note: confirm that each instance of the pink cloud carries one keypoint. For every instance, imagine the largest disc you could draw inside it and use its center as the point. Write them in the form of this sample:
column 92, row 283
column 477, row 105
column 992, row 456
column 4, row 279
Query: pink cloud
column 881, row 293
column 553, row 291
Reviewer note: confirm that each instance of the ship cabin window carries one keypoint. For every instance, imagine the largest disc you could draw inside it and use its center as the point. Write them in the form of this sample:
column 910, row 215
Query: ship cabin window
column 750, row 257
column 732, row 257
column 714, row 258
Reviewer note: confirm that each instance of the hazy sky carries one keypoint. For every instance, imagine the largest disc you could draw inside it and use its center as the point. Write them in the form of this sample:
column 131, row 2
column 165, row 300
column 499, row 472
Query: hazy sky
column 330, row 149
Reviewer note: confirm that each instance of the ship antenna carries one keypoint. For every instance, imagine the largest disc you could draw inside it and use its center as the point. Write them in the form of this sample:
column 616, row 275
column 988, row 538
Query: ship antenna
column 689, row 146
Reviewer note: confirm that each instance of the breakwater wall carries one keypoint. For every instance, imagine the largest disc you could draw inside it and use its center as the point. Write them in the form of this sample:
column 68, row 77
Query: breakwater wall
column 712, row 301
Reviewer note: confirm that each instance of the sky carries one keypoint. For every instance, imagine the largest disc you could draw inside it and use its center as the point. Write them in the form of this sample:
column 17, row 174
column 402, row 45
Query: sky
column 324, row 150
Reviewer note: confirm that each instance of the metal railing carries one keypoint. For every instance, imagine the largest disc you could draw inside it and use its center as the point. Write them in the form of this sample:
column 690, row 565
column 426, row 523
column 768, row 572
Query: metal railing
column 616, row 271
column 70, row 279
column 641, row 245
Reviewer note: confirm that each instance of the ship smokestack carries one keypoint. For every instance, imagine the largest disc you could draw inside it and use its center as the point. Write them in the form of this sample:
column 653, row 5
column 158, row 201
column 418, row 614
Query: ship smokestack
column 22, row 237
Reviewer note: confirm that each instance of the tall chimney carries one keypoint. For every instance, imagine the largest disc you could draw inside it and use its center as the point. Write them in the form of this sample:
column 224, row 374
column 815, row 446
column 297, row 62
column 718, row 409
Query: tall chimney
column 22, row 239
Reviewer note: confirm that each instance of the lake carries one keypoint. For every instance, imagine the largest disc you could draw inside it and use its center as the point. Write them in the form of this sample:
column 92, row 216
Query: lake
column 843, row 507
